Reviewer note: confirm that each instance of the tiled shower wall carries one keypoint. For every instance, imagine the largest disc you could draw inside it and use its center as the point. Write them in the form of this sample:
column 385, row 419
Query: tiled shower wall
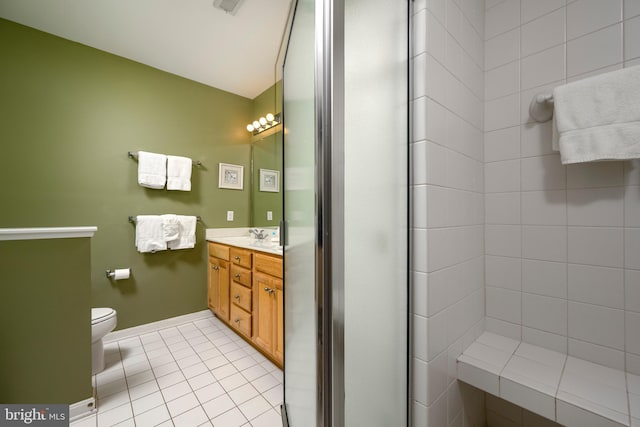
column 448, row 244
column 562, row 244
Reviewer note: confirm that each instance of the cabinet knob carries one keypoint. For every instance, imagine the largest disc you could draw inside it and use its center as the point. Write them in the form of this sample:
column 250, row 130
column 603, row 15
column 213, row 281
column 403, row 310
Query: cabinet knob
column 269, row 290
column 237, row 297
column 236, row 321
column 215, row 267
column 237, row 275
column 237, row 258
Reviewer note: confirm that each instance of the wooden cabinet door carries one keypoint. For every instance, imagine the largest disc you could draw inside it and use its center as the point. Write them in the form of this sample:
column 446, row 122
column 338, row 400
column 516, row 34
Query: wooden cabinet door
column 219, row 287
column 263, row 315
column 278, row 351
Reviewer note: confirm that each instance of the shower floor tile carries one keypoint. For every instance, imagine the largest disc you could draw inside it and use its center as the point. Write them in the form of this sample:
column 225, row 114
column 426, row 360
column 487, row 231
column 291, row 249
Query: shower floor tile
column 198, row 373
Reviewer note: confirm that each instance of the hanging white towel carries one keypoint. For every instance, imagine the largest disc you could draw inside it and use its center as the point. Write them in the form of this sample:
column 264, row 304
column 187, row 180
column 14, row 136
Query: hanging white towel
column 598, row 118
column 150, row 234
column 170, row 227
column 187, row 238
column 152, row 169
column 179, row 173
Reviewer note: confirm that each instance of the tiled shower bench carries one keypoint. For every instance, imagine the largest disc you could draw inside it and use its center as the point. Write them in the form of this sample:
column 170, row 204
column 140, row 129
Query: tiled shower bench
column 570, row 391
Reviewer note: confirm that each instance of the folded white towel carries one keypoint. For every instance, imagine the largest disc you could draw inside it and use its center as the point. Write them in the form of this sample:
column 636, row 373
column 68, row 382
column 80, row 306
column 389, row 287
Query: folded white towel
column 187, row 238
column 150, row 233
column 152, row 169
column 179, row 173
column 171, row 227
column 598, row 118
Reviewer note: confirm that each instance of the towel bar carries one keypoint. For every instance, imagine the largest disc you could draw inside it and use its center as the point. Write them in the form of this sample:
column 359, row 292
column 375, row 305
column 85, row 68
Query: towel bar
column 134, row 155
column 541, row 107
column 132, row 219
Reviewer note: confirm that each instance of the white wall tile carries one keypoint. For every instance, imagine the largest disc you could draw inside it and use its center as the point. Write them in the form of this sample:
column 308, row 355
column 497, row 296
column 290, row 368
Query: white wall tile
column 535, row 139
column 632, row 172
column 544, row 278
column 504, row 240
column 544, row 339
column 419, row 128
column 602, row 355
column 420, row 295
column 502, row 208
column 419, row 32
column 437, row 206
column 419, row 64
column 631, row 8
column 632, row 328
column 543, row 33
column 594, row 50
column 544, row 313
column 502, row 112
column 547, row 243
column 596, row 246
column 453, row 19
column 597, row 72
column 436, row 130
column 419, row 211
column 532, row 9
column 596, row 285
column 437, row 74
column 502, row 81
column 502, row 17
column 420, row 337
column 631, row 289
column 502, row 49
column 542, row 67
column 503, row 304
column 503, row 272
column 436, row 164
column 436, row 38
column 596, row 174
column 506, row 329
column 502, row 144
column 438, row 286
column 632, row 248
column 632, row 206
column 502, row 176
column 632, row 39
column 596, row 324
column 544, row 207
column 420, row 386
column 602, row 207
column 419, row 256
column 438, row 8
column 586, row 16
column 437, row 335
column 543, row 173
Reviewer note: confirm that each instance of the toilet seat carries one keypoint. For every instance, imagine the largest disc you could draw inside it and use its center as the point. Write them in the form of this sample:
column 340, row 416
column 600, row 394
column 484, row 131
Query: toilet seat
column 101, row 314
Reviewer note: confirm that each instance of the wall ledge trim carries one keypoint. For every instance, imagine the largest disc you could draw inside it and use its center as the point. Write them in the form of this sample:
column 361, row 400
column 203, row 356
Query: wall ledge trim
column 82, row 409
column 37, row 233
column 155, row 326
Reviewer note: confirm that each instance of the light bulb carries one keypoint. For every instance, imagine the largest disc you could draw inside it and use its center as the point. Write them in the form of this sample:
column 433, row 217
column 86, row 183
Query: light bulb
column 250, row 127
column 270, row 117
column 263, row 121
column 256, row 124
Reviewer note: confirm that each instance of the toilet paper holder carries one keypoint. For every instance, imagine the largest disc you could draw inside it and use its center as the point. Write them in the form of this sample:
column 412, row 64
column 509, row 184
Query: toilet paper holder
column 111, row 274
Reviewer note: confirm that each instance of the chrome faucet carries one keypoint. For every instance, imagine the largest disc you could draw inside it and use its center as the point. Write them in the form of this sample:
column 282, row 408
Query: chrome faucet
column 259, row 234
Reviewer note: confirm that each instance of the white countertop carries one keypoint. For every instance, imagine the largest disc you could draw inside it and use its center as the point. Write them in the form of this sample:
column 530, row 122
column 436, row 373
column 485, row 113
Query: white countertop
column 241, row 238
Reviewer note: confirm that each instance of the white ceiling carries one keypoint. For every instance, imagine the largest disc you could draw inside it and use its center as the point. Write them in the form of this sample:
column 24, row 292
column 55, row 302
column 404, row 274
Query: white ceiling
column 189, row 38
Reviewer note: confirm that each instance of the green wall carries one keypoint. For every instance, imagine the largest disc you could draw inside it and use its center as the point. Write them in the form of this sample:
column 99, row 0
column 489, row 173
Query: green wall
column 68, row 115
column 45, row 307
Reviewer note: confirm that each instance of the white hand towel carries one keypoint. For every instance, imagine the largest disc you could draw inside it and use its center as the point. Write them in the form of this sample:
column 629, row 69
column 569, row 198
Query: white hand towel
column 598, row 118
column 179, row 173
column 152, row 169
column 150, row 234
column 171, row 227
column 187, row 238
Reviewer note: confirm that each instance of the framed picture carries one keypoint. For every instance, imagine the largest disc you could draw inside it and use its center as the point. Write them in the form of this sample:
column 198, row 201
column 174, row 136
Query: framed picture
column 230, row 176
column 269, row 180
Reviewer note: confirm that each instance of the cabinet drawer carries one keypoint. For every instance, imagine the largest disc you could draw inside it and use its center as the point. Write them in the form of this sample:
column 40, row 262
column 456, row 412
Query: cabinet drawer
column 240, row 320
column 241, row 296
column 241, row 257
column 271, row 265
column 241, row 275
column 219, row 251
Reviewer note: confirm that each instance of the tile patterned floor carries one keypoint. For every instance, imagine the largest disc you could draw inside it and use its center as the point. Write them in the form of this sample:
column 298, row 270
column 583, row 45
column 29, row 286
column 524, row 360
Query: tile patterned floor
column 197, row 374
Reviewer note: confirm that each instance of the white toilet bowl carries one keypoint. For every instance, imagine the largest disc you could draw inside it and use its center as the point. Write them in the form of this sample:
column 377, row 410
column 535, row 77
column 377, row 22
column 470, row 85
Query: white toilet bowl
column 103, row 321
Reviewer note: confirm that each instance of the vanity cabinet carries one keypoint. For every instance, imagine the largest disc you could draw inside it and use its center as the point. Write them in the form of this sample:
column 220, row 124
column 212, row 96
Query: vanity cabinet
column 218, row 275
column 252, row 301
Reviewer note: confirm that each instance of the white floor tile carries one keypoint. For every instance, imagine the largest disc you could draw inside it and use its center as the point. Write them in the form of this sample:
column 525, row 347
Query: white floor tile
column 232, row 418
column 193, row 417
column 140, row 378
column 209, row 392
column 112, row 387
column 147, row 403
column 143, row 389
column 185, row 362
column 115, row 416
column 232, row 382
column 153, row 417
column 254, row 372
column 252, row 408
column 176, row 390
column 244, row 363
column 243, row 393
column 201, row 380
column 274, row 395
column 218, row 406
column 224, row 371
column 268, row 419
column 171, row 379
column 265, row 383
column 166, row 369
column 195, row 370
column 113, row 400
column 90, row 421
column 182, row 404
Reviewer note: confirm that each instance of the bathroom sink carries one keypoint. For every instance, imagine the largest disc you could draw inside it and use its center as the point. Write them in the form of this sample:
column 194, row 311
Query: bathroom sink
column 250, row 242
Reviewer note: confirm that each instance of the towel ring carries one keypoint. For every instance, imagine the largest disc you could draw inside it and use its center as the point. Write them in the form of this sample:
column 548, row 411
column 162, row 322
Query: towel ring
column 541, row 107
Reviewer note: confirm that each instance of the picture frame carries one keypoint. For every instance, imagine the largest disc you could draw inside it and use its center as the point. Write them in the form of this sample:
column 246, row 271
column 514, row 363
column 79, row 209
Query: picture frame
column 270, row 180
column 230, row 176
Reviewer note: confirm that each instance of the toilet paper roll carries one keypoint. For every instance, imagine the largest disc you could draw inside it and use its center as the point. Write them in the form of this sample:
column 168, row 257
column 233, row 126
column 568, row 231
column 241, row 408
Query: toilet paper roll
column 121, row 273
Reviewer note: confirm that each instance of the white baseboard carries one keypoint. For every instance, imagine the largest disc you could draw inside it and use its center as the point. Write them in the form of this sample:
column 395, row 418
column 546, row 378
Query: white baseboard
column 154, row 326
column 82, row 409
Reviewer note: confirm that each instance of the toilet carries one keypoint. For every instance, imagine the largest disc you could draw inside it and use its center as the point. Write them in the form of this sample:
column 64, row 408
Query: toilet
column 103, row 321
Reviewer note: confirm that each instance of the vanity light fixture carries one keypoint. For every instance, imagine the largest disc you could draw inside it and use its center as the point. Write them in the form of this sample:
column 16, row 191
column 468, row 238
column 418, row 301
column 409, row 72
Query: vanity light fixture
column 264, row 123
